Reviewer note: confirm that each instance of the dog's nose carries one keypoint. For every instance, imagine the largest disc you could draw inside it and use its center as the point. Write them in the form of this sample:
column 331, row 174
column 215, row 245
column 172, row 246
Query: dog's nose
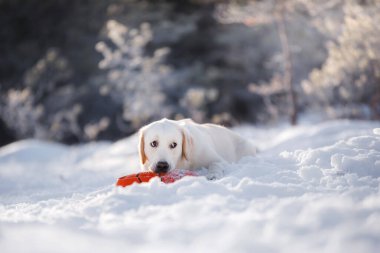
column 162, row 167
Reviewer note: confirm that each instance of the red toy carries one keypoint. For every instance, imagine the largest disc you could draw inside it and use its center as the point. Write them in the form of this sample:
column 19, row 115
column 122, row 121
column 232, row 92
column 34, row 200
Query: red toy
column 144, row 177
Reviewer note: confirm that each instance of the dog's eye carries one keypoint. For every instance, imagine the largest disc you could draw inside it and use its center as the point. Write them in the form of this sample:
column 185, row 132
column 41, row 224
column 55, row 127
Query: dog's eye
column 154, row 144
column 173, row 145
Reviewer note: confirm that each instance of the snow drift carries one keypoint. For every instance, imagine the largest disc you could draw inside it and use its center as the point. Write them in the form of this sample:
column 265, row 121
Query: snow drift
column 312, row 188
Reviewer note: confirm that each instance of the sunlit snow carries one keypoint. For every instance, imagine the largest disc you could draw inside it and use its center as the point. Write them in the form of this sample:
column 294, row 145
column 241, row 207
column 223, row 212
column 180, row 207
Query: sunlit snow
column 312, row 188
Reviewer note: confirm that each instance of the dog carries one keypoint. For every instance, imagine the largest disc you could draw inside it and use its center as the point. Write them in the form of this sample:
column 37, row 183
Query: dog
column 166, row 144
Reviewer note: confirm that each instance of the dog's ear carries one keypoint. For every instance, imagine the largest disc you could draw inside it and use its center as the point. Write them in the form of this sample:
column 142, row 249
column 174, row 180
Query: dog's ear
column 187, row 144
column 143, row 157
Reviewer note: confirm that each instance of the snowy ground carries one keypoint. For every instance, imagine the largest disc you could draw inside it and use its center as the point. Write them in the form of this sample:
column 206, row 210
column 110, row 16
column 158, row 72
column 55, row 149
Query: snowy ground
column 313, row 188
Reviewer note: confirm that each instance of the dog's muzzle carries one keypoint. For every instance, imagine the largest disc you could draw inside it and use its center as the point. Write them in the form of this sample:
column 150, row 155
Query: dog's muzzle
column 162, row 167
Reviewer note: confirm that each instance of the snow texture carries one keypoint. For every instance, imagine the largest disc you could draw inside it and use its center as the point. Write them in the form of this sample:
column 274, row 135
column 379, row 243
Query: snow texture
column 312, row 188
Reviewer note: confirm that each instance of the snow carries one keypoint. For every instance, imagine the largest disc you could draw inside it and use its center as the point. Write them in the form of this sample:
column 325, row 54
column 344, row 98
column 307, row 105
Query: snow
column 311, row 188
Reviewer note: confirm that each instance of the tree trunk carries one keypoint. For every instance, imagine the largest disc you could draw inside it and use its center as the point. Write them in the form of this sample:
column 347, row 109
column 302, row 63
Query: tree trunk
column 287, row 61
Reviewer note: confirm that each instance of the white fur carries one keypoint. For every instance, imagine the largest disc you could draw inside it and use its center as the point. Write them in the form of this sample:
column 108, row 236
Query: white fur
column 198, row 145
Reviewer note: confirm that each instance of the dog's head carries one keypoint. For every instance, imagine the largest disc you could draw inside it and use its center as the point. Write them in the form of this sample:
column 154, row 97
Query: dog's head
column 163, row 145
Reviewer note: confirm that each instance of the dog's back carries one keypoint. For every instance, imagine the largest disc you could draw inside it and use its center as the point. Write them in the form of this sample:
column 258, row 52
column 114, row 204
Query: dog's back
column 228, row 145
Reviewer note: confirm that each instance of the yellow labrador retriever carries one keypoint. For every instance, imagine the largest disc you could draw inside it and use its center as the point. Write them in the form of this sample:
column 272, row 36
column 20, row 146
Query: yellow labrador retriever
column 167, row 144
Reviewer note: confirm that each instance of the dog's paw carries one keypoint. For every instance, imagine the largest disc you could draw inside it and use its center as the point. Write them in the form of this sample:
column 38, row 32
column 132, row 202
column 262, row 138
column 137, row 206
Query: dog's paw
column 211, row 177
column 215, row 172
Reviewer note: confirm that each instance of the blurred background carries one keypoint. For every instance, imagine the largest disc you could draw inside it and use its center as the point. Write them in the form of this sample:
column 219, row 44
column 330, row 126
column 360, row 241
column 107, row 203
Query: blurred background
column 75, row 71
